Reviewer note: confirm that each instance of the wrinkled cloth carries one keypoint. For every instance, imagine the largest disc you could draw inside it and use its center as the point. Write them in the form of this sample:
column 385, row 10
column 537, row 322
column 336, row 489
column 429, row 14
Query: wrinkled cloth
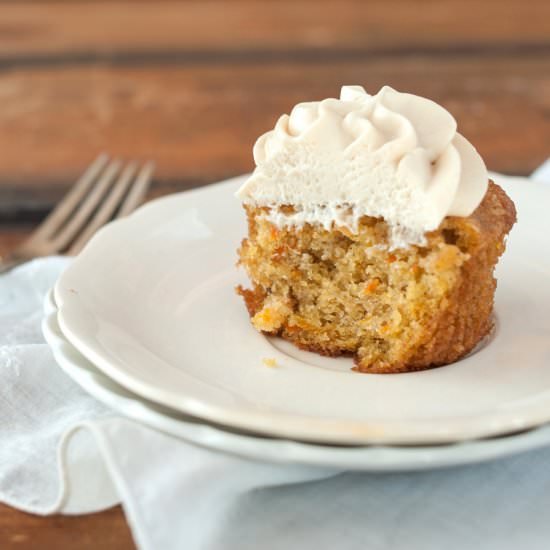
column 63, row 452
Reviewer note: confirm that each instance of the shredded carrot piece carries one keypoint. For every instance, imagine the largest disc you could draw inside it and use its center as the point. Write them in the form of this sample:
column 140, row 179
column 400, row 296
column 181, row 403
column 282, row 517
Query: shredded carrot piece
column 372, row 285
column 266, row 315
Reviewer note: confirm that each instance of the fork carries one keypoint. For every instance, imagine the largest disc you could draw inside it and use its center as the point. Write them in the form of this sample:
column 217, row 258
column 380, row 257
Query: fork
column 107, row 190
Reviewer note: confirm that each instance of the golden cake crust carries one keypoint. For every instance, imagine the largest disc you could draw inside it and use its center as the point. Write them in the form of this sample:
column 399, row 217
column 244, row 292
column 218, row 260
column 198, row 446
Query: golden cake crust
column 335, row 293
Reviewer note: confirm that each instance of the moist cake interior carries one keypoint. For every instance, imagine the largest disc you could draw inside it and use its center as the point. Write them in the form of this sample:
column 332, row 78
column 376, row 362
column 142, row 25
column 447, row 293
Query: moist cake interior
column 335, row 292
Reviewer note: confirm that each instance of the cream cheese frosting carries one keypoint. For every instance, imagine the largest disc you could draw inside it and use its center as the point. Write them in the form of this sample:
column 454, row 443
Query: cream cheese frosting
column 392, row 155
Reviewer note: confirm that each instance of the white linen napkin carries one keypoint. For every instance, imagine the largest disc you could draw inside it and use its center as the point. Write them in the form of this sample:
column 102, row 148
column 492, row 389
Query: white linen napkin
column 61, row 451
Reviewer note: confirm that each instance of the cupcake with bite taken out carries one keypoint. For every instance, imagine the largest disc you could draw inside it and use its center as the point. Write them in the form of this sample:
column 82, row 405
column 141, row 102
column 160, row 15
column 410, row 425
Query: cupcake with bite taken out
column 374, row 231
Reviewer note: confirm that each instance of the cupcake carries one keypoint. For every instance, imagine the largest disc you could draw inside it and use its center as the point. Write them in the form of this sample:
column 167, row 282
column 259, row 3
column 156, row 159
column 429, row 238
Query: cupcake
column 373, row 231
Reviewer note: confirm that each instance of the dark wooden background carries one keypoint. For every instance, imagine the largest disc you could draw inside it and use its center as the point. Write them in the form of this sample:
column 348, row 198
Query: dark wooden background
column 191, row 84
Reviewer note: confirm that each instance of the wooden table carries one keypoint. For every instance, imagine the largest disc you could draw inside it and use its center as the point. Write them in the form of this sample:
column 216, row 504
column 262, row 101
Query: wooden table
column 192, row 84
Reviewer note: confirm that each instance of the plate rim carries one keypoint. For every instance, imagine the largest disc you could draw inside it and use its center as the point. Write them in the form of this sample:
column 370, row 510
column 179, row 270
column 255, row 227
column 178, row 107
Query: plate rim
column 366, row 458
column 286, row 425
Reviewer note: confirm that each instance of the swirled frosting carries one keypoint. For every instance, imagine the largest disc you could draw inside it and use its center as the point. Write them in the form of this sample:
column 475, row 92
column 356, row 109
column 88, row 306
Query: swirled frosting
column 392, row 155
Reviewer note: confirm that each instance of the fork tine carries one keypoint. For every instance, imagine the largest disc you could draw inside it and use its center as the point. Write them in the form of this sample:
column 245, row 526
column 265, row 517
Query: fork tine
column 67, row 233
column 64, row 209
column 105, row 212
column 138, row 190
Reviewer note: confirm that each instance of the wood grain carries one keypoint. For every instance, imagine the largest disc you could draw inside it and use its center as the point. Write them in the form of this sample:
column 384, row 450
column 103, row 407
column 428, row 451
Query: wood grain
column 11, row 236
column 105, row 530
column 199, row 123
column 88, row 30
column 192, row 84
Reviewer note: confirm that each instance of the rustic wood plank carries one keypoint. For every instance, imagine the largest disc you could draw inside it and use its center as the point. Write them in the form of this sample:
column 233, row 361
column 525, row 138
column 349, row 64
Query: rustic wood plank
column 10, row 237
column 106, row 530
column 199, row 123
column 87, row 30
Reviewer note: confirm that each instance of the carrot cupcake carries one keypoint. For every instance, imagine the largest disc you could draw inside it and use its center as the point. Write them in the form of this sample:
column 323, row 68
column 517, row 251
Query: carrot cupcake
column 373, row 231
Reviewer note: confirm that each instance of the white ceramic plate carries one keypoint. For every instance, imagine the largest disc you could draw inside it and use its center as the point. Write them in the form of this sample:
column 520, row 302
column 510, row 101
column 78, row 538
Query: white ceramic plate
column 150, row 302
column 370, row 458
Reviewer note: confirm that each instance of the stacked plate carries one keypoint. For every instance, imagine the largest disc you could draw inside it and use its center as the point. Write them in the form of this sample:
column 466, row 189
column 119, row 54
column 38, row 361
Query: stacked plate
column 147, row 321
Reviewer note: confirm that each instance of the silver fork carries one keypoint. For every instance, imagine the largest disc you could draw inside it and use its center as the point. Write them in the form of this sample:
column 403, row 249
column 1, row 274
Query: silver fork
column 107, row 190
